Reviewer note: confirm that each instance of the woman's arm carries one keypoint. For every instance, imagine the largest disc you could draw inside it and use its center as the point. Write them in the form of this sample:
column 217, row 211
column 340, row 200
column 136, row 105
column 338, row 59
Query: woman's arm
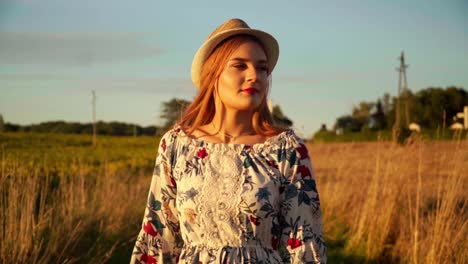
column 301, row 214
column 159, row 240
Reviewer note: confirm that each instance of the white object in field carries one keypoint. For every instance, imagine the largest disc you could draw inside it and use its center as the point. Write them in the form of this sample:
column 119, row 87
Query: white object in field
column 464, row 115
column 456, row 126
column 414, row 127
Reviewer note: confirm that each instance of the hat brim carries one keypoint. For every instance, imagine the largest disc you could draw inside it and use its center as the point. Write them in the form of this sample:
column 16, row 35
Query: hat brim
column 269, row 43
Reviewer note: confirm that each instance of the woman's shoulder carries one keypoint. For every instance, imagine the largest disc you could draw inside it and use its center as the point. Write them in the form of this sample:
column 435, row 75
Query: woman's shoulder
column 172, row 132
column 287, row 138
column 293, row 145
column 169, row 138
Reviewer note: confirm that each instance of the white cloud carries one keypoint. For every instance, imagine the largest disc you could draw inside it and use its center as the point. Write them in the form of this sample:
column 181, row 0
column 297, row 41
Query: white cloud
column 74, row 49
column 83, row 83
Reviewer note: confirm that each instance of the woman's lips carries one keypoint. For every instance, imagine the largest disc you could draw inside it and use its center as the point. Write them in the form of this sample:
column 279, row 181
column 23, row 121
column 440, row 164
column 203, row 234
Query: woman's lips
column 249, row 90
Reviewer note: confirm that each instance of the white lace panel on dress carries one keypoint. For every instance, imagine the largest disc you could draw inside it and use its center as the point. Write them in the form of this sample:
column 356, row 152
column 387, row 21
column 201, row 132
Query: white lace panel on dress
column 215, row 194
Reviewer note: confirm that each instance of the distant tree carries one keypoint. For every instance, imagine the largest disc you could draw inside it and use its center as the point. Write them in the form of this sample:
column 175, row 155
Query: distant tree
column 2, row 123
column 361, row 113
column 323, row 127
column 346, row 124
column 171, row 111
column 150, row 130
column 431, row 103
column 9, row 127
column 280, row 118
column 377, row 119
column 362, row 110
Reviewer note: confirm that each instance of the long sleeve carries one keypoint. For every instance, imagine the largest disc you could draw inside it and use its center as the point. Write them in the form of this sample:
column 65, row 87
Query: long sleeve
column 159, row 240
column 302, row 233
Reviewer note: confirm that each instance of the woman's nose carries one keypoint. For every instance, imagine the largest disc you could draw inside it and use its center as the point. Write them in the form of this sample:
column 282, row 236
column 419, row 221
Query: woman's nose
column 252, row 74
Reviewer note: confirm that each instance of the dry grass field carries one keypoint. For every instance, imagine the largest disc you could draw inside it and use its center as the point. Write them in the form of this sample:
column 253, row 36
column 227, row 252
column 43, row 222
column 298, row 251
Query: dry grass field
column 63, row 201
column 386, row 203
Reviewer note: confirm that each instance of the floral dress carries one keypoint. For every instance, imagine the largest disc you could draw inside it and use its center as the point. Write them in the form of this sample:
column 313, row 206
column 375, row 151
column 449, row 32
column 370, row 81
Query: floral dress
column 231, row 203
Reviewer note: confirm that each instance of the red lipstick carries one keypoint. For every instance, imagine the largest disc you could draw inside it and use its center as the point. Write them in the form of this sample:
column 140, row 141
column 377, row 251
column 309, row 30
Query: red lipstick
column 250, row 90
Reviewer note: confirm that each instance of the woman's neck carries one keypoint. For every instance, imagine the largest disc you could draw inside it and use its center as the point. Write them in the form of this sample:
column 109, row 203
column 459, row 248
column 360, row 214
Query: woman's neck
column 233, row 123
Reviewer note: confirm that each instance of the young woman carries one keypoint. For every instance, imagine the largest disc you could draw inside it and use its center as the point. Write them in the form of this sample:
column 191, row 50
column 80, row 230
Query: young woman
column 230, row 186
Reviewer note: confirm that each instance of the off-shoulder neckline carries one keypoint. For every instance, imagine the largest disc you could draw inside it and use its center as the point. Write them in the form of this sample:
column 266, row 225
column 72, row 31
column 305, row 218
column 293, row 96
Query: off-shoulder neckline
column 271, row 141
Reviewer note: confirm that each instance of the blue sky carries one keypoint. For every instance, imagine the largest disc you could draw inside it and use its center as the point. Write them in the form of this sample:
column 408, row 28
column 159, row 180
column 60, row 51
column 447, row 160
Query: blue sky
column 137, row 54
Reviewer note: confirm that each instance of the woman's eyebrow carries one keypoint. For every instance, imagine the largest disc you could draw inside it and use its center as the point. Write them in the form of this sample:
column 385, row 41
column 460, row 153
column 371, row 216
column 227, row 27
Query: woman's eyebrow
column 243, row 60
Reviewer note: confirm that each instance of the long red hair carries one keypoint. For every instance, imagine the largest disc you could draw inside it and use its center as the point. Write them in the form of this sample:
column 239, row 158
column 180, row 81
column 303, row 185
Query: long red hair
column 201, row 111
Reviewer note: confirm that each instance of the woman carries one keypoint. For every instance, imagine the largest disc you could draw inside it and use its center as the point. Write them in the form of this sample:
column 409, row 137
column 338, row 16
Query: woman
column 230, row 186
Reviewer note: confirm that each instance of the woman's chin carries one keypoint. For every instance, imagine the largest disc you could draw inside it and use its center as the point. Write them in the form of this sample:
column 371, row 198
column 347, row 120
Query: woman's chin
column 242, row 103
column 247, row 107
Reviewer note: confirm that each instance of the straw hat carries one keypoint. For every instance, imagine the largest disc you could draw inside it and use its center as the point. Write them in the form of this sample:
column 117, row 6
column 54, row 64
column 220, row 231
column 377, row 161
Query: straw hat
column 230, row 28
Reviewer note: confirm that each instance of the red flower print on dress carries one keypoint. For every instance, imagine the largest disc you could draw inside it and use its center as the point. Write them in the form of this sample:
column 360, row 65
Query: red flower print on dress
column 294, row 243
column 202, row 153
column 272, row 163
column 173, row 182
column 274, row 242
column 148, row 259
column 304, row 171
column 149, row 230
column 163, row 144
column 255, row 220
column 303, row 151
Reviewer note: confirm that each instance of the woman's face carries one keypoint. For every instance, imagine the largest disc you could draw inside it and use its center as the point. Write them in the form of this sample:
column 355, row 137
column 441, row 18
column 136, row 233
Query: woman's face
column 243, row 83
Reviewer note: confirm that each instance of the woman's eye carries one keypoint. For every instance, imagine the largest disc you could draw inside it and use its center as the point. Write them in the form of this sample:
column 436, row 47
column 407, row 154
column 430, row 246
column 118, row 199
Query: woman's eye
column 239, row 66
column 263, row 68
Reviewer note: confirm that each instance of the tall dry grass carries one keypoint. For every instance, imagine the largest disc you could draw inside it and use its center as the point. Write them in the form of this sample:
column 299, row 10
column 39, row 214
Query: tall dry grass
column 83, row 218
column 68, row 207
column 394, row 203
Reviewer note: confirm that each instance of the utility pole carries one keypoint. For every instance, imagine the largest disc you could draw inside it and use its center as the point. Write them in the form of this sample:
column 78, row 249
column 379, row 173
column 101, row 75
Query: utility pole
column 403, row 95
column 94, row 118
column 405, row 90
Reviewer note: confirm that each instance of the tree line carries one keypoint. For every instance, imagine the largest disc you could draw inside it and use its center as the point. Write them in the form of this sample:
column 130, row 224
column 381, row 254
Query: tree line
column 430, row 108
column 103, row 128
column 170, row 112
